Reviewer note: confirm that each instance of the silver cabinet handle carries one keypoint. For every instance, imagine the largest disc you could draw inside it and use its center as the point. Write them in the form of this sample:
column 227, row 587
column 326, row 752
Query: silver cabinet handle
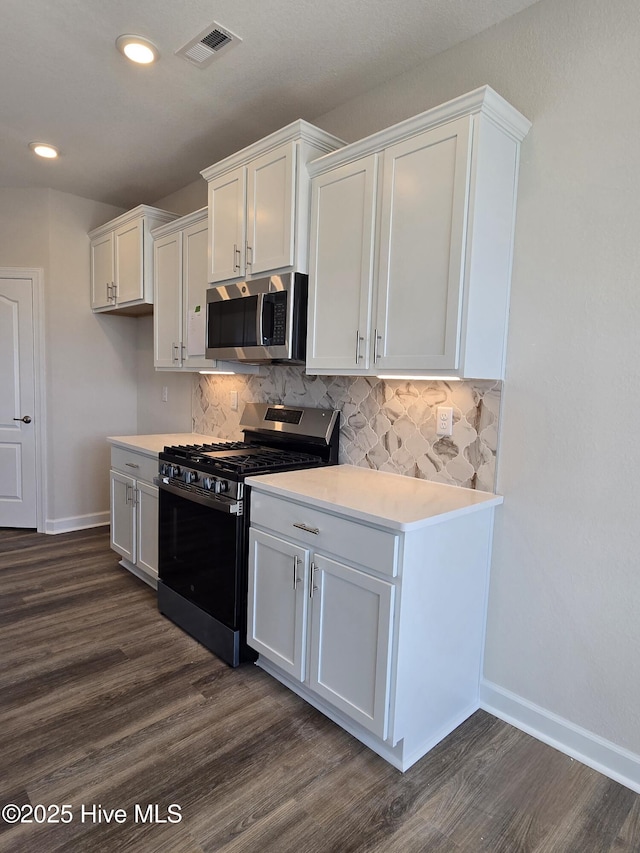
column 312, row 587
column 182, row 350
column 248, row 262
column 359, row 338
column 308, row 529
column 114, row 288
column 377, row 338
column 236, row 252
column 176, row 350
column 131, row 464
column 127, row 498
column 296, row 579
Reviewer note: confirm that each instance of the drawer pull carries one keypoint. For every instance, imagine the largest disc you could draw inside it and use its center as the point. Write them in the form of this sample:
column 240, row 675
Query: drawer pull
column 305, row 527
column 131, row 465
column 296, row 579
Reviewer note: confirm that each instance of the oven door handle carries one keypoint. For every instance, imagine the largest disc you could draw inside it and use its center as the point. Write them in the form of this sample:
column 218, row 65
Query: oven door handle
column 219, row 503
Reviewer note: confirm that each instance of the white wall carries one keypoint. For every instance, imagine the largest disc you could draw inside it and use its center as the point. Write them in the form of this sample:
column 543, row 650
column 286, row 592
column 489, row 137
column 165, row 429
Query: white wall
column 564, row 630
column 154, row 415
column 90, row 360
column 91, row 368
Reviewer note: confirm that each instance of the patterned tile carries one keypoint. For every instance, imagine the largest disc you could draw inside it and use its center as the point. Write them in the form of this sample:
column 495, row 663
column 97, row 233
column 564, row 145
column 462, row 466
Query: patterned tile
column 387, row 425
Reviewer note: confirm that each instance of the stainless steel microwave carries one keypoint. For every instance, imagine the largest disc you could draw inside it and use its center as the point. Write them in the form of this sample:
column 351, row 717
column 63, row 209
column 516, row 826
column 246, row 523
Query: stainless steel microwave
column 259, row 321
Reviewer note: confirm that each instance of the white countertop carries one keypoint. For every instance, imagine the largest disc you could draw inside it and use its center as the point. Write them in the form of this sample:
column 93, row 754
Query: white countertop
column 377, row 497
column 151, row 445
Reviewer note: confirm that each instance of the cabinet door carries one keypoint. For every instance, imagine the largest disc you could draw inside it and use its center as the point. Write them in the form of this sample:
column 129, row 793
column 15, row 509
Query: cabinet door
column 129, row 266
column 167, row 310
column 101, row 271
column 351, row 630
column 147, row 527
column 340, row 280
column 194, row 295
column 277, row 601
column 227, row 197
column 123, row 526
column 270, row 210
column 422, row 240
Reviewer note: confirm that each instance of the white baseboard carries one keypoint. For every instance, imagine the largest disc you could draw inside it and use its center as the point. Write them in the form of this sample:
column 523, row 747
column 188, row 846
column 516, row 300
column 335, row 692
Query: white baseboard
column 76, row 522
column 602, row 755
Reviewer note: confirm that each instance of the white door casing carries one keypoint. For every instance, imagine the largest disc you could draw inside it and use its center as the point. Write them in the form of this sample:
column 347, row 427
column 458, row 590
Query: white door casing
column 22, row 481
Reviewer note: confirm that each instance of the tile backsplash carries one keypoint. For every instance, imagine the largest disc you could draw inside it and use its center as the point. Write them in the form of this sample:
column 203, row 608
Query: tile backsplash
column 385, row 424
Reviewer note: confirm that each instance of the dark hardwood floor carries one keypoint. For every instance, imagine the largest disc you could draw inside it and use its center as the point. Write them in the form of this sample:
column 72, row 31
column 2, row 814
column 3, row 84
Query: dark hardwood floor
column 105, row 703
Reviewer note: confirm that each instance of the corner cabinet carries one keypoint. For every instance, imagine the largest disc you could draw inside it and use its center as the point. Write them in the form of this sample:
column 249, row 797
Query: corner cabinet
column 259, row 202
column 122, row 261
column 134, row 512
column 379, row 628
column 412, row 235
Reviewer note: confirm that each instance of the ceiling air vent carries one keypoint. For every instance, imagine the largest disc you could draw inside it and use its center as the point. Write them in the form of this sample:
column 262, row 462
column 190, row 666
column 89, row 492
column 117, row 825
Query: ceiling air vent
column 211, row 42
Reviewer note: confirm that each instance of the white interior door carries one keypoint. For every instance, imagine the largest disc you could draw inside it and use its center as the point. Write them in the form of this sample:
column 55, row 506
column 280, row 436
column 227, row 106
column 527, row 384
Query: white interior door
column 18, row 505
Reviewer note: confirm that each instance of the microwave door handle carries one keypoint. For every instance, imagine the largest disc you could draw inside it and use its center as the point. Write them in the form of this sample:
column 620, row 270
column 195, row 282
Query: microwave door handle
column 259, row 318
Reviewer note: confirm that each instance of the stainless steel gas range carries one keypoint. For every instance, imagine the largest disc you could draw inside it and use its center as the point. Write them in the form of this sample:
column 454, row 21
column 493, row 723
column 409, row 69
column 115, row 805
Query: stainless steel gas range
column 204, row 517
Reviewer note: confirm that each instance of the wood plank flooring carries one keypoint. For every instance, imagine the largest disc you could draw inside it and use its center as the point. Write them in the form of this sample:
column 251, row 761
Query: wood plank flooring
column 104, row 702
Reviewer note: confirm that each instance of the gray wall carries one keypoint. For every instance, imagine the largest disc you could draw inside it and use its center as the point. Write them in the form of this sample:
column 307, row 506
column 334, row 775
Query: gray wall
column 563, row 629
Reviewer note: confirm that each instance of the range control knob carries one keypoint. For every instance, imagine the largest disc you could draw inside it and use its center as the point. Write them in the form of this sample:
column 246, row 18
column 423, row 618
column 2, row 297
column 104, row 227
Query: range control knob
column 190, row 477
column 222, row 486
column 169, row 470
column 207, row 483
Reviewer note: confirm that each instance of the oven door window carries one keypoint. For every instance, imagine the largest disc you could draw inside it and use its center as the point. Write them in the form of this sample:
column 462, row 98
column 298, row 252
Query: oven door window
column 232, row 323
column 200, row 555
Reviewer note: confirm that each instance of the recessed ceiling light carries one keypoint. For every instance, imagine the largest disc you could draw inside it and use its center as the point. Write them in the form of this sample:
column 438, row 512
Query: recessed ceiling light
column 43, row 149
column 137, row 49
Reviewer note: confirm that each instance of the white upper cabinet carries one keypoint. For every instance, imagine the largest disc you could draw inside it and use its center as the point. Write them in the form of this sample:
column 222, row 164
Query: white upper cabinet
column 342, row 266
column 228, row 225
column 421, row 249
column 122, row 261
column 167, row 314
column 180, row 284
column 270, row 210
column 180, row 273
column 102, row 266
column 411, row 242
column 258, row 204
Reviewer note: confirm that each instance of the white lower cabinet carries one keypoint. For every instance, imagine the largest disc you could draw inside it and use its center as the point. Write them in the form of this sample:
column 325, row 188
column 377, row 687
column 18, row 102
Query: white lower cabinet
column 350, row 616
column 134, row 512
column 380, row 629
column 351, row 623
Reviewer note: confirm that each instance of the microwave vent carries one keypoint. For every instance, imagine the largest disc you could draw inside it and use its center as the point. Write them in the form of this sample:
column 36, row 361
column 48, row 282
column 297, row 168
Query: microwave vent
column 209, row 44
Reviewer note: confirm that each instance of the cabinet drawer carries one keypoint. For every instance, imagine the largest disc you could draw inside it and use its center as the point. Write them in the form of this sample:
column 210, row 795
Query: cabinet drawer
column 134, row 464
column 350, row 540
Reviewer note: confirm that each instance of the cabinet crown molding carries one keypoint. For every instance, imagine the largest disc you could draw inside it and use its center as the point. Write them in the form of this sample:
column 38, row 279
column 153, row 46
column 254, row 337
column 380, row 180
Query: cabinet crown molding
column 180, row 223
column 297, row 130
column 482, row 100
column 130, row 215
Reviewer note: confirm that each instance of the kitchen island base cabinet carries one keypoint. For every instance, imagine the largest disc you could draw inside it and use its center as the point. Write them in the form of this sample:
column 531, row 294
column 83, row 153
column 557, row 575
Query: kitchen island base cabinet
column 392, row 653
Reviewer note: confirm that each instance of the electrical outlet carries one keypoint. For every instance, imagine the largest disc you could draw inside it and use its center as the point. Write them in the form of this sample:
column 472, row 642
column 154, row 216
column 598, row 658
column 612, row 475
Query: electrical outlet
column 165, row 393
column 233, row 401
column 444, row 420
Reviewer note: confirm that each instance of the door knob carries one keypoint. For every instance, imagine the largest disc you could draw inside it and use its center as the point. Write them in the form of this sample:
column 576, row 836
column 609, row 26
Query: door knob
column 25, row 420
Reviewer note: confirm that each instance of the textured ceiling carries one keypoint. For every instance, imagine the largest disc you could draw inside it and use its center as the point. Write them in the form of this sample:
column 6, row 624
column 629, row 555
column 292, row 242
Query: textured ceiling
column 131, row 135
